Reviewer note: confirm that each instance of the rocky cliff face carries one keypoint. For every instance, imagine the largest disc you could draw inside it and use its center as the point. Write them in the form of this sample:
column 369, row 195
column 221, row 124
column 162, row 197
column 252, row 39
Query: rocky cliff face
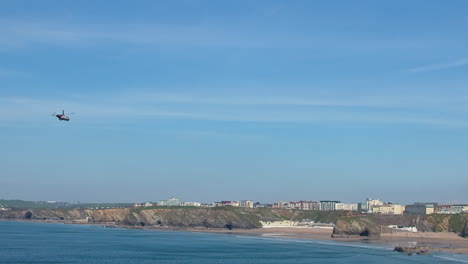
column 356, row 227
column 117, row 216
column 229, row 217
column 424, row 223
column 202, row 217
column 45, row 214
column 168, row 218
column 177, row 217
column 272, row 214
column 464, row 233
column 421, row 222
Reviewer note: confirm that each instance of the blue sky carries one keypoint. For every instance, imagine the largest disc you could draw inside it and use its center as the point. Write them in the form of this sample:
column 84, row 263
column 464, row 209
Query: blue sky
column 230, row 100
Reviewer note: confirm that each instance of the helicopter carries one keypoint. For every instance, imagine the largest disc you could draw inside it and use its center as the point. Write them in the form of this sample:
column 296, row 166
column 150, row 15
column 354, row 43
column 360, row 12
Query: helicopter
column 62, row 116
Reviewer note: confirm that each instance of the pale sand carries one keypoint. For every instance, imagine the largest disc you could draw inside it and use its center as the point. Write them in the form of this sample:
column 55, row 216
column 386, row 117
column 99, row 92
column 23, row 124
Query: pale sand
column 441, row 241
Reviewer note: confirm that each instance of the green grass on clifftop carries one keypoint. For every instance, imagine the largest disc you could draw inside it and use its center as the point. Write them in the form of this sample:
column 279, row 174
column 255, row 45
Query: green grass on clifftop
column 457, row 222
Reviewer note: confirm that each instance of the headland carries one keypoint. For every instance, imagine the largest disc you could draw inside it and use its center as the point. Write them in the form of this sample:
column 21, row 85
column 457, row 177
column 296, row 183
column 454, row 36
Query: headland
column 437, row 232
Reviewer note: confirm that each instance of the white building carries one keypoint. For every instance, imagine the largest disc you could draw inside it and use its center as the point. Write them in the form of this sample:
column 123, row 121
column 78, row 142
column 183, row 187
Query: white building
column 371, row 203
column 281, row 205
column 284, row 223
column 327, row 205
column 306, row 205
column 389, row 209
column 246, row 204
column 170, row 202
column 404, row 228
column 451, row 209
column 197, row 204
column 346, row 207
column 459, row 208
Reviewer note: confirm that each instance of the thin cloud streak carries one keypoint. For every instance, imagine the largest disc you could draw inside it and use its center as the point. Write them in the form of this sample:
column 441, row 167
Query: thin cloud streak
column 24, row 33
column 12, row 108
column 370, row 101
column 23, row 109
column 367, row 102
column 442, row 66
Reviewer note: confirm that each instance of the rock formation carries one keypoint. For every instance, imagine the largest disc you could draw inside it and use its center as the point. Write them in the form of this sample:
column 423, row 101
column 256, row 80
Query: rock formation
column 355, row 227
column 464, row 233
column 183, row 218
column 419, row 250
column 228, row 218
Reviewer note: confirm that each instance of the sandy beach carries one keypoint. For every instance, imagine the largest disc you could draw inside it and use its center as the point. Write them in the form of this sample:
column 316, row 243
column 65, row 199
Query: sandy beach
column 441, row 241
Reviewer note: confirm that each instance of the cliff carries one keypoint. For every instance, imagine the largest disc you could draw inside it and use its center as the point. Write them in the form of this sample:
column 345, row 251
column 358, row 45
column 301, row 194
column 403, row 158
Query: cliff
column 347, row 225
column 223, row 217
column 424, row 223
column 373, row 225
column 45, row 214
column 464, row 233
column 356, row 227
column 168, row 218
column 174, row 217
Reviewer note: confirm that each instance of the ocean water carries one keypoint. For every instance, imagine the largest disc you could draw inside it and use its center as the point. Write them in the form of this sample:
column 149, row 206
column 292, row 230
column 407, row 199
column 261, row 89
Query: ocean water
column 27, row 242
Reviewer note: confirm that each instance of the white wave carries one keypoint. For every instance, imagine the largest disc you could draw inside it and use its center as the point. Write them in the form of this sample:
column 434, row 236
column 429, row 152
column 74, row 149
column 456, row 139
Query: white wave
column 304, row 241
column 451, row 259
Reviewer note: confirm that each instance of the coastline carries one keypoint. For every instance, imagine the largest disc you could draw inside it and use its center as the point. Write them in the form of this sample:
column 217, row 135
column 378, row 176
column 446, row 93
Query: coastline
column 436, row 241
column 440, row 241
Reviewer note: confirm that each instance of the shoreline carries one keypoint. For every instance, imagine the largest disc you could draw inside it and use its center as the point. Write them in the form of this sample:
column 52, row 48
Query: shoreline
column 435, row 241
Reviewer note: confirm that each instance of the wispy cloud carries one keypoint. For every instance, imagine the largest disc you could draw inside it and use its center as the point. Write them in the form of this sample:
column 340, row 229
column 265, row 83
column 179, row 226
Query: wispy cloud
column 217, row 135
column 441, row 66
column 273, row 110
column 15, row 33
column 330, row 101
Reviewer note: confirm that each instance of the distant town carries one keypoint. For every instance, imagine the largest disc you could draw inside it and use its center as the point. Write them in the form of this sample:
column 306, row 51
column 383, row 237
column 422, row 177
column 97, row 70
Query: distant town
column 370, row 206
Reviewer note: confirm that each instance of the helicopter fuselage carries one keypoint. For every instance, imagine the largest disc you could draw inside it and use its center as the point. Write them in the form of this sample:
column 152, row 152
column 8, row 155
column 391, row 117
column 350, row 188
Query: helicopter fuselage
column 63, row 117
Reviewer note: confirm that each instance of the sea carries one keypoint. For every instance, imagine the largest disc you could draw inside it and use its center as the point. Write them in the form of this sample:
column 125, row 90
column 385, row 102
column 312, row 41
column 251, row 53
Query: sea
column 31, row 242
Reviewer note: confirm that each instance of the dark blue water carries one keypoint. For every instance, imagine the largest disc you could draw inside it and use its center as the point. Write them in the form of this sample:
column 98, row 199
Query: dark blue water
column 56, row 243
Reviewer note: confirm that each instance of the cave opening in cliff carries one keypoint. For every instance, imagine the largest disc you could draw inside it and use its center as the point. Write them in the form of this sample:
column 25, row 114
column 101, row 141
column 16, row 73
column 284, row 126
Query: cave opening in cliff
column 28, row 215
column 364, row 233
